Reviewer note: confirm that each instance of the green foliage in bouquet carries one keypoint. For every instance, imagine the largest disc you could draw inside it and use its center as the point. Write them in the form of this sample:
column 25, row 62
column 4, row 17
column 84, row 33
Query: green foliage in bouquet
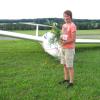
column 57, row 32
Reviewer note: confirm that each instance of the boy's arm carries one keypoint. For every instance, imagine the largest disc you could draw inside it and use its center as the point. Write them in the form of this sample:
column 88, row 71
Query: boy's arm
column 72, row 39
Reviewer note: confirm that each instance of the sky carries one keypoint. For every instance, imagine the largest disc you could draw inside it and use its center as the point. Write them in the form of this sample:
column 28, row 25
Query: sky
column 26, row 9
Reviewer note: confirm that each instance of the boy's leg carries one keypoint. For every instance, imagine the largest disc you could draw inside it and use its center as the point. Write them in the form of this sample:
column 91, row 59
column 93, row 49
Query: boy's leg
column 71, row 74
column 65, row 72
column 70, row 60
column 65, row 75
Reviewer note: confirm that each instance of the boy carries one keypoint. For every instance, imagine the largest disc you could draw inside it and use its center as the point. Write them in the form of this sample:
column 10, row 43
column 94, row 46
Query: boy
column 67, row 41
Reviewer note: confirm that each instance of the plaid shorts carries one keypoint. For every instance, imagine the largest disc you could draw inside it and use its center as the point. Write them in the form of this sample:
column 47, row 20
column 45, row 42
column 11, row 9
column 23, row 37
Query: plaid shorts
column 67, row 57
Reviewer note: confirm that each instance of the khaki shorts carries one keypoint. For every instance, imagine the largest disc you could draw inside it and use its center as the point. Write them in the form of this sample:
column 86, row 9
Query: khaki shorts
column 67, row 57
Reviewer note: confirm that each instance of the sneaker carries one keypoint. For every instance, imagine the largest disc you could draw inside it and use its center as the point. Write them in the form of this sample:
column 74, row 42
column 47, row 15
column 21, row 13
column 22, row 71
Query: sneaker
column 70, row 85
column 64, row 81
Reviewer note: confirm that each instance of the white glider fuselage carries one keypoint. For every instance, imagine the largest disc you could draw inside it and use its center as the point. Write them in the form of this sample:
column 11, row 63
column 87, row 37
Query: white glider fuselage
column 51, row 48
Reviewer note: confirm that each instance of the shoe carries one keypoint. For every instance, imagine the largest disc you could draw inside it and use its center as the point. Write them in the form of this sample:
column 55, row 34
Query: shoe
column 70, row 85
column 64, row 81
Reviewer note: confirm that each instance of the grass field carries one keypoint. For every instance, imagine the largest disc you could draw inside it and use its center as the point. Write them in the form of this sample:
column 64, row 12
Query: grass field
column 28, row 73
column 41, row 32
column 95, row 31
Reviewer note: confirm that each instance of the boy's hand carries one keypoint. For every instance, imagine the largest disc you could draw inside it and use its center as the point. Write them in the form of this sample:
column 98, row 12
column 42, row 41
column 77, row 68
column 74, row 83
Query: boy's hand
column 62, row 42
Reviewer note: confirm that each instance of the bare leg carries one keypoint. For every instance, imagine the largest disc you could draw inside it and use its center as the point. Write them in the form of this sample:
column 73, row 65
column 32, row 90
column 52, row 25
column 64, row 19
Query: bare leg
column 66, row 79
column 65, row 72
column 71, row 74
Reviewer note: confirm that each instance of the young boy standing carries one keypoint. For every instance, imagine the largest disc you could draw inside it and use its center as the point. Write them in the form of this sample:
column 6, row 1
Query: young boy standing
column 67, row 41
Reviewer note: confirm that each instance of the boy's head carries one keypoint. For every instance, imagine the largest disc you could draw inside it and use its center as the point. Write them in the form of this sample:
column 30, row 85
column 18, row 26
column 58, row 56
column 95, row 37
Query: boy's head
column 67, row 16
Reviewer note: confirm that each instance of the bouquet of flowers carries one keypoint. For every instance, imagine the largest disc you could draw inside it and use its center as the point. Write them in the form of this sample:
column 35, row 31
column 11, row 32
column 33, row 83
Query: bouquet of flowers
column 57, row 32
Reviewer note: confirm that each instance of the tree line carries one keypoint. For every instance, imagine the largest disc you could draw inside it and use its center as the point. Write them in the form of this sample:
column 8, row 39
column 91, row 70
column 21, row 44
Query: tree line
column 82, row 24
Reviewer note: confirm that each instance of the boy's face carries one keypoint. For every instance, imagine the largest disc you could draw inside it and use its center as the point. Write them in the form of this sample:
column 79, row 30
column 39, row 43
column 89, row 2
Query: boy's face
column 67, row 18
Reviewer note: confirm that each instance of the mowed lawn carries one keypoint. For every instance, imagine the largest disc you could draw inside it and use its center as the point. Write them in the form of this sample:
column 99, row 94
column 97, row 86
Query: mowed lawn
column 28, row 73
column 79, row 32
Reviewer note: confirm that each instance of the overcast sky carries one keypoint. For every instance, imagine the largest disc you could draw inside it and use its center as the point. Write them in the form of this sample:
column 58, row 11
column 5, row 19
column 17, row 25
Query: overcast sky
column 24, row 9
